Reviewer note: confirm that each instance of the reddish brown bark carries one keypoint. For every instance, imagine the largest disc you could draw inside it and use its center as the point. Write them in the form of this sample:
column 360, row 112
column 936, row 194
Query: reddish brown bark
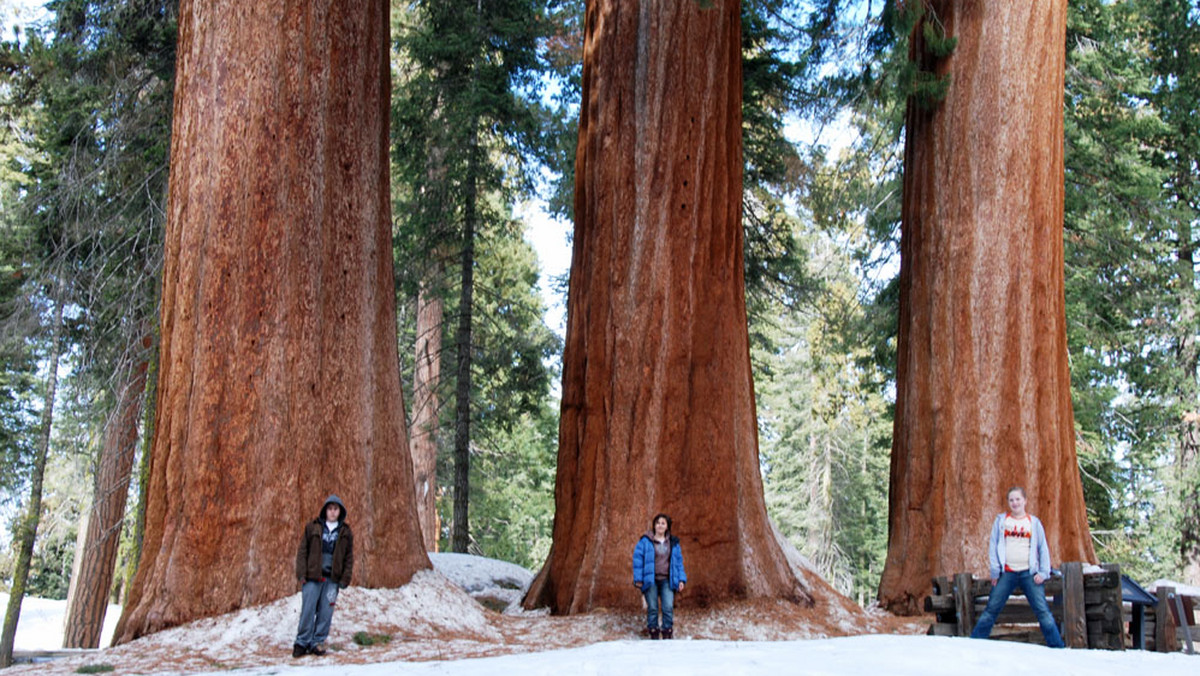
column 426, row 379
column 93, row 574
column 983, row 396
column 658, row 406
column 278, row 377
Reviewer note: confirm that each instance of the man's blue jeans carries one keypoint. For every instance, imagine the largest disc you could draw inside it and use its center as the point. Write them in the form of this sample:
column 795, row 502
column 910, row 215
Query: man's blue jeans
column 1035, row 593
column 316, row 612
column 661, row 589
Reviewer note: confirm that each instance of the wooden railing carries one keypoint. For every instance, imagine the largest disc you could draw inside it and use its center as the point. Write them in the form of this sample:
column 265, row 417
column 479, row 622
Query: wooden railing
column 1087, row 607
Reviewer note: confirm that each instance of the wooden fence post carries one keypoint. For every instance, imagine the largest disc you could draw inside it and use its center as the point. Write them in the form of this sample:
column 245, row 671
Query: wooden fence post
column 1112, row 599
column 1074, row 631
column 1164, row 624
column 1184, row 625
column 964, row 602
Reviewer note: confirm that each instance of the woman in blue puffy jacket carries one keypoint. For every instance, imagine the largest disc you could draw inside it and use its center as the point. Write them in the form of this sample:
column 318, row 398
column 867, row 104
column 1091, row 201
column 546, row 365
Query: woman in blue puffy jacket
column 658, row 572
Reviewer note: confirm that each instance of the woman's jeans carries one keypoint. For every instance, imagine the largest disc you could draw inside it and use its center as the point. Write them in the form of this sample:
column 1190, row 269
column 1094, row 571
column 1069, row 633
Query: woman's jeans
column 661, row 589
column 1035, row 593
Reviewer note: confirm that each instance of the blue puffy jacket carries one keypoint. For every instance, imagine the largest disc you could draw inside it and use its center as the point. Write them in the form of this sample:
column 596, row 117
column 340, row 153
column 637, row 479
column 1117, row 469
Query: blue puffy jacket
column 643, row 563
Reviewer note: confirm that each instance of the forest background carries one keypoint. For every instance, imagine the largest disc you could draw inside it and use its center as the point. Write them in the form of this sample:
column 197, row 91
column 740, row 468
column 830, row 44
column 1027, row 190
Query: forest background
column 484, row 109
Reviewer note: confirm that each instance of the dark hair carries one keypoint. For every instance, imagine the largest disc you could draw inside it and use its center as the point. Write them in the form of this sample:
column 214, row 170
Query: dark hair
column 1016, row 489
column 658, row 516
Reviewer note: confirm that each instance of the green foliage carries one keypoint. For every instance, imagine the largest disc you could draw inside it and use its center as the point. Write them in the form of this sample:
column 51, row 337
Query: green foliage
column 97, row 668
column 936, row 41
column 918, row 77
column 365, row 639
column 825, row 437
column 514, row 420
column 512, row 490
column 467, row 122
column 86, row 104
column 1129, row 292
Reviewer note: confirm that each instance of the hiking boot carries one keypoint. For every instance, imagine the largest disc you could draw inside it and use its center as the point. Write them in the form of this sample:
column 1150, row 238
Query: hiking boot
column 317, row 650
column 668, row 634
column 654, row 634
column 299, row 650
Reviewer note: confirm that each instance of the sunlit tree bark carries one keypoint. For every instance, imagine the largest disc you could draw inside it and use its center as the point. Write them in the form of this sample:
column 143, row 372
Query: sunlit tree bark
column 983, row 398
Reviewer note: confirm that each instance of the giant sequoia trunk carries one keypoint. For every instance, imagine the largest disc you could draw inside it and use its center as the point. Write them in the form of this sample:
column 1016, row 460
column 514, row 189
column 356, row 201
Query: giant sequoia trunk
column 278, row 377
column 87, row 600
column 983, row 397
column 658, row 405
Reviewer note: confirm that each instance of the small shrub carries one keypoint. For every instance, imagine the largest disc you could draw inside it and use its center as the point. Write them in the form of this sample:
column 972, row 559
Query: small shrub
column 94, row 669
column 364, row 639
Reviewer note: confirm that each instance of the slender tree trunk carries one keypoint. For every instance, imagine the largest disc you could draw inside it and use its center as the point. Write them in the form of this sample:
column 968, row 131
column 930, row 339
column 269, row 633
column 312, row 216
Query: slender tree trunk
column 129, row 568
column 87, row 601
column 658, row 404
column 426, row 403
column 1188, row 460
column 26, row 532
column 983, row 397
column 462, row 410
column 279, row 375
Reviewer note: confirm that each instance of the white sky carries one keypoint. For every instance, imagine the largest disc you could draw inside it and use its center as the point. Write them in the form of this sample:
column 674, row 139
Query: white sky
column 18, row 13
column 551, row 239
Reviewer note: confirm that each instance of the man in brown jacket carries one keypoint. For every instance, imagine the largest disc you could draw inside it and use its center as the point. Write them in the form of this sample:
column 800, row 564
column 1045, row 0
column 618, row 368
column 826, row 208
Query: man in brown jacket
column 324, row 564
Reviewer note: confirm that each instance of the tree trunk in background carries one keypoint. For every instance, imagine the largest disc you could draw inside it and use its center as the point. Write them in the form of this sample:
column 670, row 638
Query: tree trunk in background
column 460, row 536
column 129, row 567
column 87, row 600
column 983, row 397
column 1188, row 460
column 26, row 530
column 278, row 377
column 426, row 379
column 658, row 404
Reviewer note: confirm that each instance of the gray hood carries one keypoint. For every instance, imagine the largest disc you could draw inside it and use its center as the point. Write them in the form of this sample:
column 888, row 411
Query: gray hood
column 334, row 499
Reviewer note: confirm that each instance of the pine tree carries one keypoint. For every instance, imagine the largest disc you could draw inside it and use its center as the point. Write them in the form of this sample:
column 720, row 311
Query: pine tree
column 462, row 124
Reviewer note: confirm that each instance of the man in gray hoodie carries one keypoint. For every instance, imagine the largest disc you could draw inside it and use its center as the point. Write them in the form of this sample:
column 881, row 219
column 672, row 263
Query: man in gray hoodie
column 324, row 564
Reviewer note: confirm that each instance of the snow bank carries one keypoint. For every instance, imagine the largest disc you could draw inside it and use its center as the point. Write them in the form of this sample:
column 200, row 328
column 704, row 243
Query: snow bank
column 496, row 584
column 476, row 573
column 426, row 607
column 42, row 622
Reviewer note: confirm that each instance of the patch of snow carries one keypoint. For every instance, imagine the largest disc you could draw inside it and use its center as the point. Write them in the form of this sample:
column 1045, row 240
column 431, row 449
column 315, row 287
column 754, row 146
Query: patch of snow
column 499, row 585
column 476, row 573
column 1091, row 568
column 1180, row 588
column 41, row 624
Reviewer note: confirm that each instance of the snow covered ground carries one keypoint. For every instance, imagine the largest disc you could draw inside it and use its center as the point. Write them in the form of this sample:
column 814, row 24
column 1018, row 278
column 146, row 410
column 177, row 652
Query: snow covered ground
column 893, row 655
column 437, row 629
column 41, row 623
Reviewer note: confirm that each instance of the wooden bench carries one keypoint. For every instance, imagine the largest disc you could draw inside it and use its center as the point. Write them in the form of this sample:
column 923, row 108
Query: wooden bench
column 1087, row 607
